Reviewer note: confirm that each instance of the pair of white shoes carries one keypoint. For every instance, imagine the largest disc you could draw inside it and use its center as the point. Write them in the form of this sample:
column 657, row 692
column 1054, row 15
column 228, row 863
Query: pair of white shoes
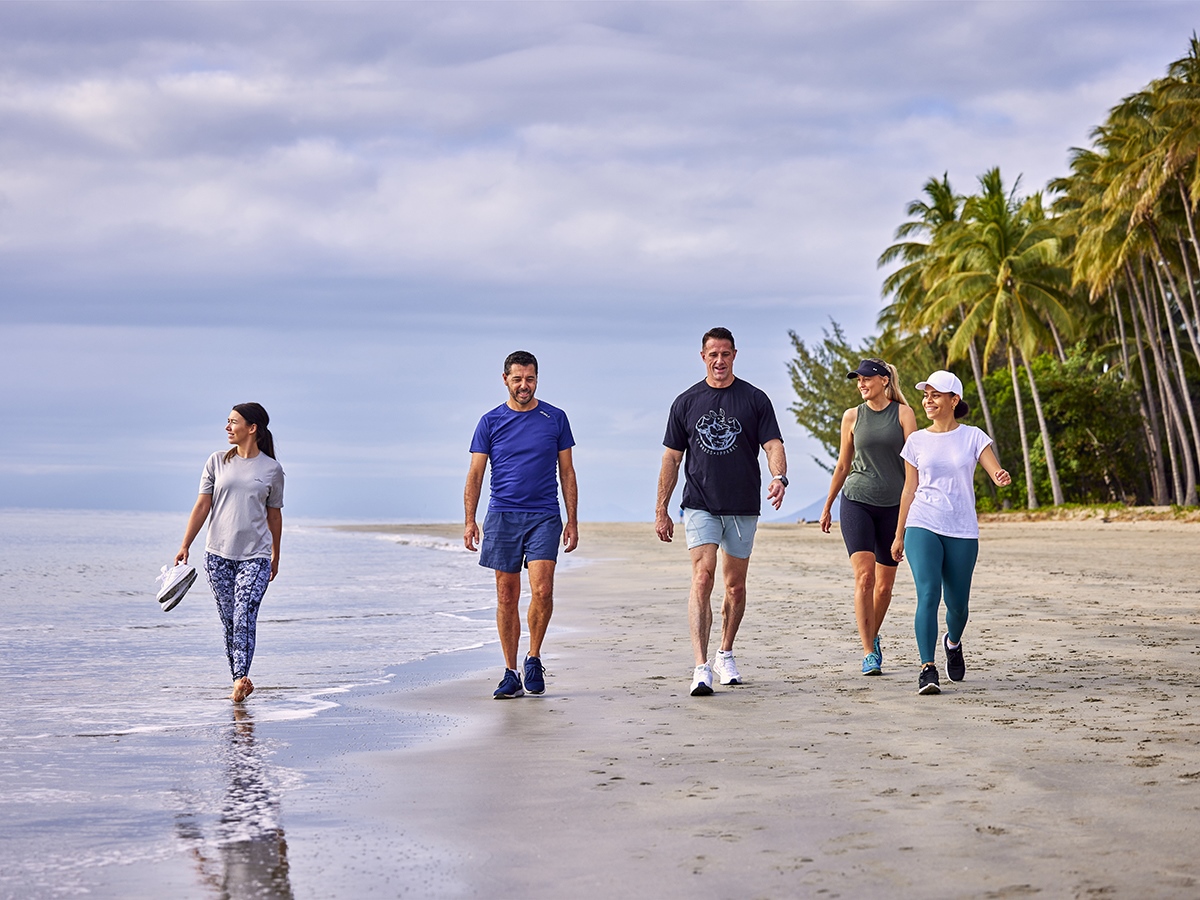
column 723, row 665
column 174, row 582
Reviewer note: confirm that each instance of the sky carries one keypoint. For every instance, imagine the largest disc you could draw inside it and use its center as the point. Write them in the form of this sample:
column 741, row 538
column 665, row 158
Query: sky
column 351, row 213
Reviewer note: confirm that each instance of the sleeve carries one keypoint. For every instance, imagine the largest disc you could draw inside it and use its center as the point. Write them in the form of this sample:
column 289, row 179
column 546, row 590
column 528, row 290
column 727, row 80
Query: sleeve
column 909, row 453
column 982, row 442
column 481, row 441
column 768, row 425
column 676, row 437
column 566, row 440
column 208, row 478
column 275, row 494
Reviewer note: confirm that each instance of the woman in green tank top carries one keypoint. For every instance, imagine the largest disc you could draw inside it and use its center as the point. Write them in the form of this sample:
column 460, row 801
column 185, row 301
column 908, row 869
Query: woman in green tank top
column 870, row 477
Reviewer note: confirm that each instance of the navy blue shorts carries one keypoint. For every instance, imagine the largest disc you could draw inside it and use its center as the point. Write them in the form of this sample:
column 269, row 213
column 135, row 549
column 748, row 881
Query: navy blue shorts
column 869, row 529
column 513, row 538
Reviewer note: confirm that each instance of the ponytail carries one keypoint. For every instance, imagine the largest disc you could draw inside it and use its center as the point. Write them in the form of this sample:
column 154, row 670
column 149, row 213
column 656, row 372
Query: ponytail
column 892, row 391
column 254, row 414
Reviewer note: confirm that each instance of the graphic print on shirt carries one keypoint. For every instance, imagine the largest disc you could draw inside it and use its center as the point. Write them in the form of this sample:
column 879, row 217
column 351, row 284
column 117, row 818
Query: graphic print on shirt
column 718, row 432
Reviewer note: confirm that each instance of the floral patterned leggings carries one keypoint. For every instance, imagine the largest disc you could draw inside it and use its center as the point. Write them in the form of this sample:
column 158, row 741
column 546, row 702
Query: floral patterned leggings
column 238, row 585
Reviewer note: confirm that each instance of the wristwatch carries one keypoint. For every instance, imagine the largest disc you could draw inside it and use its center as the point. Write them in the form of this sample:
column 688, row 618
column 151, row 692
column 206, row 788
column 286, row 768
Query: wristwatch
column 782, row 479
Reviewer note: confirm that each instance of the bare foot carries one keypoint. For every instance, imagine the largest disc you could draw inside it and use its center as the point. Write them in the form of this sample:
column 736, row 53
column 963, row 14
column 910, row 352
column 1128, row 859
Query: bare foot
column 242, row 688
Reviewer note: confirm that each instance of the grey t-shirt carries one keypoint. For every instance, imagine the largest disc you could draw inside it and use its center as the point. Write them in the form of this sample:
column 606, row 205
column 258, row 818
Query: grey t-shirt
column 241, row 489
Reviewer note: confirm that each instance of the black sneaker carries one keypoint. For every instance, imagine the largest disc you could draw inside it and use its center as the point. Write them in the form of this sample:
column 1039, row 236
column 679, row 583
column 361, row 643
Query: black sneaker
column 535, row 675
column 956, row 666
column 928, row 682
column 510, row 686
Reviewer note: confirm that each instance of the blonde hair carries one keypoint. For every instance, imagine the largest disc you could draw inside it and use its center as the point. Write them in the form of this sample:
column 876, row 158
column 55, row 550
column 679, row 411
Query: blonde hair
column 892, row 391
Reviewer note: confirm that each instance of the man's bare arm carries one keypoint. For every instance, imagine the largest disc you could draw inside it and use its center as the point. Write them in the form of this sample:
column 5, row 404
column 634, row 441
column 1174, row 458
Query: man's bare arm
column 471, row 500
column 668, row 477
column 570, row 492
column 777, row 464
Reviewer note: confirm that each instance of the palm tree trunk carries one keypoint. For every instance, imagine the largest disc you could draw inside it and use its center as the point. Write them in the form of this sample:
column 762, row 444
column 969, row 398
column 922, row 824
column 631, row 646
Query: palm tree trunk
column 1131, row 284
column 1187, row 210
column 1185, row 495
column 1191, row 283
column 977, row 371
column 1180, row 371
column 1030, row 490
column 1062, row 354
column 1183, row 313
column 1158, row 484
column 1174, row 430
column 1047, row 444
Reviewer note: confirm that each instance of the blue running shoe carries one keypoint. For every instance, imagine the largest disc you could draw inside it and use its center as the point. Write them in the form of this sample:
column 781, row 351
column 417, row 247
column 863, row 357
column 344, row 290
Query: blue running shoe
column 871, row 664
column 535, row 675
column 510, row 686
column 879, row 650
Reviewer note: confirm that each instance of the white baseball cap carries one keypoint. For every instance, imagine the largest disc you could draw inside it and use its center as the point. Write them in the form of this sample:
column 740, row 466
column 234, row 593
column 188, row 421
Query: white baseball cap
column 943, row 382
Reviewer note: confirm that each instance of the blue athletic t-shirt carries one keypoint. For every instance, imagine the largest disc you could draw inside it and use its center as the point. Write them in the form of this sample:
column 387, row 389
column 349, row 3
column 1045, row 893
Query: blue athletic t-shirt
column 523, row 448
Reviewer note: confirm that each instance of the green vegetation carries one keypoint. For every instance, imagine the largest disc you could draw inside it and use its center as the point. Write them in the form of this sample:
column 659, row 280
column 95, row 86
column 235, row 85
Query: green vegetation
column 1076, row 310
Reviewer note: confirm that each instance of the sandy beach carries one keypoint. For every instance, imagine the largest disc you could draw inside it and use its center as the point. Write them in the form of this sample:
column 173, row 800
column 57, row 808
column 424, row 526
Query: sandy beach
column 1067, row 764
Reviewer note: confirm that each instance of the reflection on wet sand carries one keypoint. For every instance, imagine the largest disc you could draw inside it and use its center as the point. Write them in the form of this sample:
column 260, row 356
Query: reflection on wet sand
column 247, row 854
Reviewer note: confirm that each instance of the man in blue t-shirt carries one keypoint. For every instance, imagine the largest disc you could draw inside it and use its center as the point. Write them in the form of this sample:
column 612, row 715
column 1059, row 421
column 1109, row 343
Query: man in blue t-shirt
column 719, row 423
column 528, row 443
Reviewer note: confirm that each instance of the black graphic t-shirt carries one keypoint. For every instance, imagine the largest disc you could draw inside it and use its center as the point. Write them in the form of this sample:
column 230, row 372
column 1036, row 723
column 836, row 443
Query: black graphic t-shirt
column 720, row 431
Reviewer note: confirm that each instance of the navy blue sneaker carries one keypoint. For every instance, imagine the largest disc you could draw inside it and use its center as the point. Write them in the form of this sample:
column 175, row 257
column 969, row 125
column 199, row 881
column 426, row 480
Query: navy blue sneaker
column 956, row 666
column 535, row 675
column 928, row 682
column 510, row 686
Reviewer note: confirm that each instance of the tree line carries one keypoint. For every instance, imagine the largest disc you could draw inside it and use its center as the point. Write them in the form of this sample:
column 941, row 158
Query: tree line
column 1075, row 308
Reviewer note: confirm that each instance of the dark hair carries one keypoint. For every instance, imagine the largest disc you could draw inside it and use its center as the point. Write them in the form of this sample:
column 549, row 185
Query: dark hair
column 718, row 334
column 254, row 414
column 520, row 358
column 961, row 408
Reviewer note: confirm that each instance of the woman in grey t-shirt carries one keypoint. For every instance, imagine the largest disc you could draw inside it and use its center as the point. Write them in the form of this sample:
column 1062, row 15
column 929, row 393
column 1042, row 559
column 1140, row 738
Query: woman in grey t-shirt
column 241, row 496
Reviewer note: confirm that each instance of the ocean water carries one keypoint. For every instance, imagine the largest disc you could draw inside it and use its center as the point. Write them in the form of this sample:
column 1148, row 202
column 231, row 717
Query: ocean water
column 120, row 756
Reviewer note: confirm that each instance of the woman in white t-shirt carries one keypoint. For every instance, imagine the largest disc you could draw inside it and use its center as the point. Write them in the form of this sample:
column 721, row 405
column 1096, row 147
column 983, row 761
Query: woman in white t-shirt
column 937, row 523
column 241, row 495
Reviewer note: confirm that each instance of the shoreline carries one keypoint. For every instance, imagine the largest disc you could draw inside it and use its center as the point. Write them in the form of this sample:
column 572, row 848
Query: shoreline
column 811, row 778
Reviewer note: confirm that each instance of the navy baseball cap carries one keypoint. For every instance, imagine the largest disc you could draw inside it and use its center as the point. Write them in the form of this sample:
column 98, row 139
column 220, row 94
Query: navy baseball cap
column 869, row 367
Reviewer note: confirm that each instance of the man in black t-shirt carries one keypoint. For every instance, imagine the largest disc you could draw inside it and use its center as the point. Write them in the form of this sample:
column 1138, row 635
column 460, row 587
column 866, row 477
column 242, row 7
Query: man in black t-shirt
column 718, row 425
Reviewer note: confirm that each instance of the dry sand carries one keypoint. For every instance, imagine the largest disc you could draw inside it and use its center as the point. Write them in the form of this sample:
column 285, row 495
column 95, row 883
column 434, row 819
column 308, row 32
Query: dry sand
column 1067, row 764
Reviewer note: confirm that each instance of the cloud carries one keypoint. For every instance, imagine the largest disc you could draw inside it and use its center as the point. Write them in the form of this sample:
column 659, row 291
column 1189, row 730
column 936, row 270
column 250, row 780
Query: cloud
column 354, row 210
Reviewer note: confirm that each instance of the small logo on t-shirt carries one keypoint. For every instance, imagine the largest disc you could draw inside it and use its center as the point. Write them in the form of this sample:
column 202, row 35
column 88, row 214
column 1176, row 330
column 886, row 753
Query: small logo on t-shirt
column 718, row 432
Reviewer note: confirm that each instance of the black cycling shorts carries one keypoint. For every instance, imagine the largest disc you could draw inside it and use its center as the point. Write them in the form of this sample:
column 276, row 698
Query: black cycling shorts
column 870, row 529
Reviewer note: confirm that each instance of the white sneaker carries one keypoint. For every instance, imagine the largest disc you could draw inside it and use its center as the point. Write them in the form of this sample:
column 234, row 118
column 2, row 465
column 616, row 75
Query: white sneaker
column 174, row 582
column 726, row 668
column 702, row 681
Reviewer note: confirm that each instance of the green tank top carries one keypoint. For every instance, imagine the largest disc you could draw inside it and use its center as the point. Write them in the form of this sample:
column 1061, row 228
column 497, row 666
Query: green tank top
column 877, row 471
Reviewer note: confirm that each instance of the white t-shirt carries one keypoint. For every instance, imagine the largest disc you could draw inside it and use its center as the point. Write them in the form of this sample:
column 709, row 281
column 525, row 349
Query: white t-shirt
column 945, row 463
column 241, row 489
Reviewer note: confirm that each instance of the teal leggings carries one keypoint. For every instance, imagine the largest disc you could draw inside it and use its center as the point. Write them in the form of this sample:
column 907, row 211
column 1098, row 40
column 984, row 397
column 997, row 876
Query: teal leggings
column 940, row 564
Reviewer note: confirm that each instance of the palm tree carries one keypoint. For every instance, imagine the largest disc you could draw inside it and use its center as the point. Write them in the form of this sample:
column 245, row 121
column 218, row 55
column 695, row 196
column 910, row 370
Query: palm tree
column 1003, row 266
column 929, row 217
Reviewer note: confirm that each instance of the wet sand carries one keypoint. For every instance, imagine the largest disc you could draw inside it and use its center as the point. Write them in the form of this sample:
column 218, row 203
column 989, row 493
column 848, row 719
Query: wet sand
column 1067, row 764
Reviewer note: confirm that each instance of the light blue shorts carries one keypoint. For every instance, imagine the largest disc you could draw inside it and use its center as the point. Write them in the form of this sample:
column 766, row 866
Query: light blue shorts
column 734, row 534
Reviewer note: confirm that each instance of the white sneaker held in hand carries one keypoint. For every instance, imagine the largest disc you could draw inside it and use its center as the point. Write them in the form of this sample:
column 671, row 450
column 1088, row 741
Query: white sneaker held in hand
column 174, row 582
